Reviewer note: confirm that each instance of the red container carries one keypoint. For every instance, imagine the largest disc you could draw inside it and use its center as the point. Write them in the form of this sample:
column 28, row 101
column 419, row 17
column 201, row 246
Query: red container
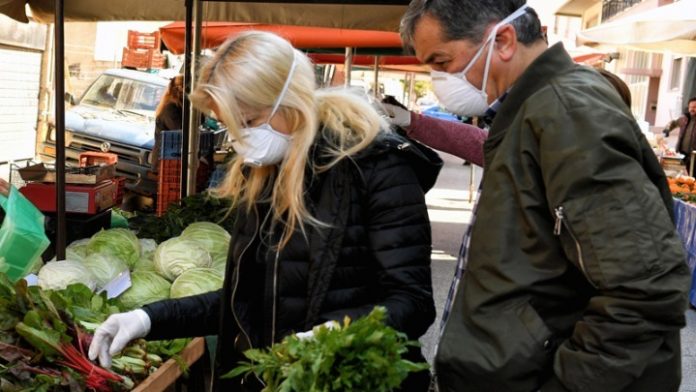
column 169, row 184
column 143, row 58
column 82, row 199
column 94, row 158
column 120, row 184
column 138, row 40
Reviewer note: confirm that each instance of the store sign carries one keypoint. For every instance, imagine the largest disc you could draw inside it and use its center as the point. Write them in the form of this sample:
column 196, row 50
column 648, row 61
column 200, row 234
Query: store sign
column 24, row 35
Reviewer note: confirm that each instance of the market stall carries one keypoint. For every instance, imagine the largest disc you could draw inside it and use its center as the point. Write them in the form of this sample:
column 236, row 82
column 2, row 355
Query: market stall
column 685, row 216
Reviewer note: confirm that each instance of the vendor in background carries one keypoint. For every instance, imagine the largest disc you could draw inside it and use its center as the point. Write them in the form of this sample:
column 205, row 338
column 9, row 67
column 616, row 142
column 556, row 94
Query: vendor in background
column 687, row 129
column 168, row 115
column 330, row 217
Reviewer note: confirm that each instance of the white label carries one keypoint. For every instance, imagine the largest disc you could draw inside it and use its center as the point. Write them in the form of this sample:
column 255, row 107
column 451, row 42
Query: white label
column 118, row 285
column 76, row 202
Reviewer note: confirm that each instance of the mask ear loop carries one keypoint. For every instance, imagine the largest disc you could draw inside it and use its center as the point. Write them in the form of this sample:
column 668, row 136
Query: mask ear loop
column 519, row 12
column 278, row 101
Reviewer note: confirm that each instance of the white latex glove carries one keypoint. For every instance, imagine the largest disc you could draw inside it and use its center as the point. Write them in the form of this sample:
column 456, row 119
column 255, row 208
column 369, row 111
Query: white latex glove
column 310, row 334
column 397, row 115
column 116, row 332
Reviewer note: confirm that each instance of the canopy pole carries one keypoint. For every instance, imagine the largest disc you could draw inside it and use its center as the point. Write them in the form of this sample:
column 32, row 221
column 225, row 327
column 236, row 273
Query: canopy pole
column 194, row 114
column 60, row 129
column 186, row 104
column 348, row 66
column 376, row 81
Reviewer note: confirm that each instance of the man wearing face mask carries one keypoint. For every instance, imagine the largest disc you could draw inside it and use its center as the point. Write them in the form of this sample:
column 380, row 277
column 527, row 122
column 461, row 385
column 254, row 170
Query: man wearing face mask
column 566, row 286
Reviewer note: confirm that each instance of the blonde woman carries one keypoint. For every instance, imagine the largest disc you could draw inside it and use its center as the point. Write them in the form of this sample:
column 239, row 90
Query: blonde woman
column 330, row 214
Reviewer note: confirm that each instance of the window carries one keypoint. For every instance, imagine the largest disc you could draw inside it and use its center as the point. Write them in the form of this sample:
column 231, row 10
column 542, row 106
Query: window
column 675, row 80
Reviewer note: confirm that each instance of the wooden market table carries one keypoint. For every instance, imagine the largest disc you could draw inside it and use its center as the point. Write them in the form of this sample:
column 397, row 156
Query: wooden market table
column 169, row 372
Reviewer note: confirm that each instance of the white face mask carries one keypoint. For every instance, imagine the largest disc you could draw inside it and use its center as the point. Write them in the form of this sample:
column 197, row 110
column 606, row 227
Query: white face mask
column 450, row 91
column 462, row 96
column 262, row 145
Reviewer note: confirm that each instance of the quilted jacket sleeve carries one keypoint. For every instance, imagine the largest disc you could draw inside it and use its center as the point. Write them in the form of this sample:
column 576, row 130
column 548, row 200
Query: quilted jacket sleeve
column 400, row 241
column 197, row 315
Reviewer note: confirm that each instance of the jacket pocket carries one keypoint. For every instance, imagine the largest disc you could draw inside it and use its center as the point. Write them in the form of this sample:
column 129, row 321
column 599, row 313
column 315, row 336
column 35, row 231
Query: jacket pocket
column 609, row 240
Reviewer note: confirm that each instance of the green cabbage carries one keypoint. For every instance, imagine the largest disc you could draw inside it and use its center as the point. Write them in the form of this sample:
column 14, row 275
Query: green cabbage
column 145, row 264
column 121, row 243
column 195, row 281
column 209, row 236
column 176, row 255
column 146, row 287
column 147, row 248
column 57, row 275
column 219, row 266
column 77, row 248
column 104, row 267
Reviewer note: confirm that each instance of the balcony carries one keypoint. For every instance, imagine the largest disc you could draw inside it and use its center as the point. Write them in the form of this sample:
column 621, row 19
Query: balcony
column 612, row 7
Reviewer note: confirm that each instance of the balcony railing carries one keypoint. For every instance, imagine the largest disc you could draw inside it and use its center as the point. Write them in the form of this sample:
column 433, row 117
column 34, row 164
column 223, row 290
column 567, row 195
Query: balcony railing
column 613, row 7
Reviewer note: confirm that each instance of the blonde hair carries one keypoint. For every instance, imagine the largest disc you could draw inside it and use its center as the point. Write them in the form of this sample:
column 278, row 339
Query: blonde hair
column 250, row 69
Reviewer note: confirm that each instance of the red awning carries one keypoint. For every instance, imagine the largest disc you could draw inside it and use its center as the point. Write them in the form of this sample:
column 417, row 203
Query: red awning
column 302, row 37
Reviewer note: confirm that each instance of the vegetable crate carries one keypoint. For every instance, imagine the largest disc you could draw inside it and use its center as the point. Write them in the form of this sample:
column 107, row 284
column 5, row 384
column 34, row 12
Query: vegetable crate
column 143, row 58
column 120, row 185
column 169, row 184
column 171, row 145
column 94, row 158
column 168, row 374
column 138, row 40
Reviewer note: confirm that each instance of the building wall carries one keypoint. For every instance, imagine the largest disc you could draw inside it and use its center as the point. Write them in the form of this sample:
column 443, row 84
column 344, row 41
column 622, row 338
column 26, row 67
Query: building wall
column 670, row 105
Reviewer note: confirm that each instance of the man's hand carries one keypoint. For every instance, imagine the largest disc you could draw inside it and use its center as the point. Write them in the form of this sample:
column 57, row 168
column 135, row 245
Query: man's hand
column 4, row 188
column 116, row 332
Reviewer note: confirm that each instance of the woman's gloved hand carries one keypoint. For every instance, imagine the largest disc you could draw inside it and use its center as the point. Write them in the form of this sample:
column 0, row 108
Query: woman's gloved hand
column 310, row 334
column 116, row 332
column 397, row 115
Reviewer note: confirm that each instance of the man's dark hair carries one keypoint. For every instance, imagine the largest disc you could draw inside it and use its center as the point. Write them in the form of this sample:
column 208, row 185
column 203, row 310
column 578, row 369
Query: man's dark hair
column 468, row 19
column 692, row 99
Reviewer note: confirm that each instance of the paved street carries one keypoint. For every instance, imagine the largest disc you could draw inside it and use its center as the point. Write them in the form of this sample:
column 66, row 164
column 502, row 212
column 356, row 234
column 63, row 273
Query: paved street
column 450, row 212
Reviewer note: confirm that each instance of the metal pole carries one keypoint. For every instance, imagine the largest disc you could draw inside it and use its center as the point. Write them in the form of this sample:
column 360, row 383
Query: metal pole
column 186, row 103
column 376, row 81
column 193, row 113
column 60, row 130
column 348, row 66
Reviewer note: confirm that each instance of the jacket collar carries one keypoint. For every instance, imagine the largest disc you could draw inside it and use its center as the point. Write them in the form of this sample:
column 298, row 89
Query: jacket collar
column 554, row 61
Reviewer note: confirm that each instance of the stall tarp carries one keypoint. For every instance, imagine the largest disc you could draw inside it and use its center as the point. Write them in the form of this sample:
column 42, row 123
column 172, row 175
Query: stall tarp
column 345, row 16
column 670, row 28
column 302, row 37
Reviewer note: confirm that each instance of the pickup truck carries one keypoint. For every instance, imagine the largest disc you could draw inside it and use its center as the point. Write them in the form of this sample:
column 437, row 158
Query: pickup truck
column 115, row 114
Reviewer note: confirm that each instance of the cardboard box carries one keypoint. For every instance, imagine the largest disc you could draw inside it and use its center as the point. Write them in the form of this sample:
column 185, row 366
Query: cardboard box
column 82, row 199
column 86, row 175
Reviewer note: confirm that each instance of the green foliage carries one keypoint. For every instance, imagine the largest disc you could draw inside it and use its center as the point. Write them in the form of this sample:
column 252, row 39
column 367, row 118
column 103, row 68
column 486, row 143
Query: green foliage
column 365, row 355
column 196, row 208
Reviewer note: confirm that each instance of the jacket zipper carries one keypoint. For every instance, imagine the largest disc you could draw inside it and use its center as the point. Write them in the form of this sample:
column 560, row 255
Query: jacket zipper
column 560, row 222
column 275, row 295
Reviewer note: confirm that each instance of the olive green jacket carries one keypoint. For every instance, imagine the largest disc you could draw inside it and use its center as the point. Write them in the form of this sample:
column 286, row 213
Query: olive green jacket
column 576, row 277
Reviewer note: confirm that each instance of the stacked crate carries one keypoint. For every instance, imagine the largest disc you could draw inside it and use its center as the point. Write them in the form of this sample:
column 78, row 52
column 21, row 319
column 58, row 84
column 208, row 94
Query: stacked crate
column 94, row 158
column 169, row 183
column 143, row 51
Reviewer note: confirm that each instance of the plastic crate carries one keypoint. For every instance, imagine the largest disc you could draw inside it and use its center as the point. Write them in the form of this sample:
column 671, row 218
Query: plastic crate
column 143, row 58
column 94, row 158
column 138, row 40
column 169, row 184
column 120, row 185
column 171, row 145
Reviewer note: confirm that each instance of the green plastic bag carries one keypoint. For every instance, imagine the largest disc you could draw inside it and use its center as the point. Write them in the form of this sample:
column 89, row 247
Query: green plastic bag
column 22, row 235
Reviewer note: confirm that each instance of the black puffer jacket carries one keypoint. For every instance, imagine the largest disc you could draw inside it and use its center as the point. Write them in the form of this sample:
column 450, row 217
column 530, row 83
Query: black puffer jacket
column 376, row 252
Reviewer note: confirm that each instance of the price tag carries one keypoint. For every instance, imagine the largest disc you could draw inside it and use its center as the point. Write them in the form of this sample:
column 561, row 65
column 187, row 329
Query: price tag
column 118, row 285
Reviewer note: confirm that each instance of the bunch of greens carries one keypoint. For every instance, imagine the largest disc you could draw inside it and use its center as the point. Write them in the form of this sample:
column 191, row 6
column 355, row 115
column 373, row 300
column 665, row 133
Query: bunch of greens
column 365, row 355
column 195, row 208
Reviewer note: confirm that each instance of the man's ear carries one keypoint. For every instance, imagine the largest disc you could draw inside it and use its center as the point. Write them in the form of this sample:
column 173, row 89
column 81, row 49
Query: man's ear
column 506, row 42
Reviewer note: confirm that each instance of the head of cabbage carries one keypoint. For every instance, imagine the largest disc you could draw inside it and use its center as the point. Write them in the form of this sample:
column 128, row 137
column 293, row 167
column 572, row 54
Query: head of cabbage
column 57, row 275
column 209, row 236
column 196, row 281
column 147, row 248
column 176, row 255
column 146, row 287
column 104, row 267
column 121, row 243
column 77, row 248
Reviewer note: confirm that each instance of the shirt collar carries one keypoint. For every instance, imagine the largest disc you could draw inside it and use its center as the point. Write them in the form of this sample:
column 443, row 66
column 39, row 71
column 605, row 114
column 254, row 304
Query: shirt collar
column 493, row 109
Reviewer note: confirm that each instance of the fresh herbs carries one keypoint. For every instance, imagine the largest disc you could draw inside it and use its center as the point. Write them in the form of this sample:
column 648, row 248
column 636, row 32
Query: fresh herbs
column 365, row 355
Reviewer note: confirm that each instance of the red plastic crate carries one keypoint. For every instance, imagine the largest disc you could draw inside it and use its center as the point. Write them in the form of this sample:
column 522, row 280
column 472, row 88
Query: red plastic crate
column 143, row 58
column 138, row 40
column 94, row 158
column 120, row 185
column 169, row 184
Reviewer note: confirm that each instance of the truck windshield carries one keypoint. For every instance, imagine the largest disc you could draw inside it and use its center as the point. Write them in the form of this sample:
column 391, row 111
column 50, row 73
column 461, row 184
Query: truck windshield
column 123, row 94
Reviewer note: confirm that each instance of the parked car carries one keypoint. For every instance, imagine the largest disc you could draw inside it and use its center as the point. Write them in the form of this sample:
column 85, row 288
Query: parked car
column 115, row 114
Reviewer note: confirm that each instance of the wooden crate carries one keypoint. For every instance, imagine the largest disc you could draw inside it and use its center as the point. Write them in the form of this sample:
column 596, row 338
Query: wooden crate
column 169, row 372
column 143, row 58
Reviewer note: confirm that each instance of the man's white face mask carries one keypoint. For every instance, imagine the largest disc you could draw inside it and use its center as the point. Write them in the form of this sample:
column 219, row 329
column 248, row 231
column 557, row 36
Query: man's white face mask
column 455, row 92
column 262, row 145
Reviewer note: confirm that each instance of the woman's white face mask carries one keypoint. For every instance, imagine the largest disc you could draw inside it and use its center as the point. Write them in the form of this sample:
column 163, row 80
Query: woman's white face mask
column 457, row 94
column 262, row 145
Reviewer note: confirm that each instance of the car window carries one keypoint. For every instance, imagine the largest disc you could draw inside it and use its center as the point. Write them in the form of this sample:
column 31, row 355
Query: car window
column 123, row 94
